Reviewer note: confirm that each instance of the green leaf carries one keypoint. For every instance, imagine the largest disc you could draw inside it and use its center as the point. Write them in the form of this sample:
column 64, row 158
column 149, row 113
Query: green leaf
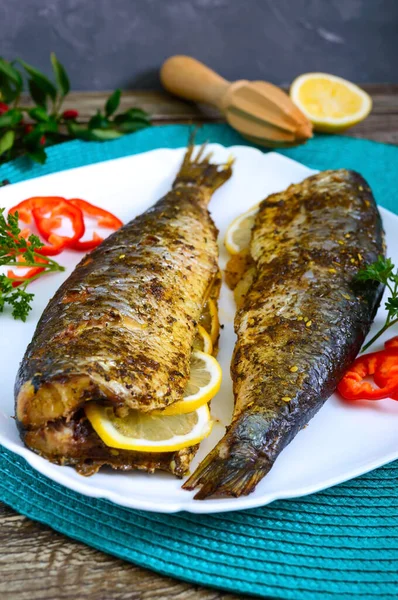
column 38, row 155
column 133, row 114
column 7, row 141
column 39, row 96
column 130, row 127
column 105, row 134
column 381, row 270
column 79, row 131
column 112, row 103
column 11, row 73
column 10, row 118
column 8, row 93
column 21, row 302
column 39, row 114
column 10, row 82
column 61, row 77
column 40, row 79
column 137, row 113
column 50, row 126
column 392, row 307
column 98, row 121
column 32, row 139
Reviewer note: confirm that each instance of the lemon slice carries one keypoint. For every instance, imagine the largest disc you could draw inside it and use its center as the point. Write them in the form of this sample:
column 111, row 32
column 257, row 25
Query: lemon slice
column 238, row 233
column 331, row 103
column 203, row 341
column 203, row 385
column 147, row 432
column 209, row 320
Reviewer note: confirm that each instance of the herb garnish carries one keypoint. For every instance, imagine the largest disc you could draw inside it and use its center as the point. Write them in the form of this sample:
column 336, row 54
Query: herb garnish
column 16, row 251
column 47, row 123
column 383, row 271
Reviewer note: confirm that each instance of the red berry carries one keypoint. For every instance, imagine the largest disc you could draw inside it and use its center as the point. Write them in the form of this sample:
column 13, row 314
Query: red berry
column 28, row 128
column 42, row 140
column 3, row 107
column 70, row 114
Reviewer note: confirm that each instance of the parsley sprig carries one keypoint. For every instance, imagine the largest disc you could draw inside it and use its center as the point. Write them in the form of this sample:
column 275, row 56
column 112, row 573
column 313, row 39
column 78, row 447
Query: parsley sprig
column 31, row 129
column 13, row 246
column 383, row 271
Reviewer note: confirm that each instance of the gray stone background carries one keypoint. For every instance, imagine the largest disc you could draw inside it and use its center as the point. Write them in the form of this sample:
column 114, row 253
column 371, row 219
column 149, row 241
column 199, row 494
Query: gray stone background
column 121, row 43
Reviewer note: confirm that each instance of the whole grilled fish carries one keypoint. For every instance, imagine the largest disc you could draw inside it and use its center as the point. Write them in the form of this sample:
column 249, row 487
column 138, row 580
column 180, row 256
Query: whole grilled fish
column 120, row 329
column 302, row 319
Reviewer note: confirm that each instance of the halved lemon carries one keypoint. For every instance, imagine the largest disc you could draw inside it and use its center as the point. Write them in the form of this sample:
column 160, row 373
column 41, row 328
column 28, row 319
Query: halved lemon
column 203, row 385
column 203, row 341
column 331, row 103
column 147, row 432
column 238, row 233
column 209, row 319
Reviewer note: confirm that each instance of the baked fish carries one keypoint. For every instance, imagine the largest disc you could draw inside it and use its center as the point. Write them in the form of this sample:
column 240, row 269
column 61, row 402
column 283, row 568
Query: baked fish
column 302, row 318
column 121, row 328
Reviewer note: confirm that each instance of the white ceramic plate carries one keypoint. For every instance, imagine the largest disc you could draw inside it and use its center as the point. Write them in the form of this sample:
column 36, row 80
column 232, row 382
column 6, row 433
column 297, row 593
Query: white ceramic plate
column 341, row 442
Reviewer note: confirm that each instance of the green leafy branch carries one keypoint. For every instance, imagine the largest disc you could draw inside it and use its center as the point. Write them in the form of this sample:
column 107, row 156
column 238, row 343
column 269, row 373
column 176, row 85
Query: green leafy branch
column 30, row 130
column 383, row 271
column 13, row 248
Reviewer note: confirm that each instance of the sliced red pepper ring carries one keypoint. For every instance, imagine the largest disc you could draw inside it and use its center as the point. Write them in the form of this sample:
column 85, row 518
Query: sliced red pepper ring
column 45, row 205
column 392, row 344
column 52, row 250
column 384, row 368
column 387, row 368
column 26, row 207
column 19, row 279
column 104, row 219
column 390, row 366
column 48, row 217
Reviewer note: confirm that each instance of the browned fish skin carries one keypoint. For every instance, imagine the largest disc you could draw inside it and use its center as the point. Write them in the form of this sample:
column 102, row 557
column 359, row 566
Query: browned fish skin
column 120, row 329
column 301, row 322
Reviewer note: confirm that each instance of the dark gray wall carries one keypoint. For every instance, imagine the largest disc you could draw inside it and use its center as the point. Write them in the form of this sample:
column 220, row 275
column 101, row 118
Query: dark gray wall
column 109, row 43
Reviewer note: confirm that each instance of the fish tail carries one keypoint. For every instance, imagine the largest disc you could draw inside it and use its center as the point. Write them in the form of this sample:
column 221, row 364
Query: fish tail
column 229, row 471
column 197, row 170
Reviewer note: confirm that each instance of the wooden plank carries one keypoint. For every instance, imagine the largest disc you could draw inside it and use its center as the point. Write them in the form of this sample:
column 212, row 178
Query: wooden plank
column 38, row 564
column 381, row 125
column 377, row 127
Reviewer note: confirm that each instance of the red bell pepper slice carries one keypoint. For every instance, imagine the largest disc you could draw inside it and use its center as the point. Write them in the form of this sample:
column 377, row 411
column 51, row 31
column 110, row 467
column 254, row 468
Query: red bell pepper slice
column 19, row 279
column 48, row 217
column 388, row 368
column 383, row 366
column 392, row 344
column 37, row 208
column 104, row 219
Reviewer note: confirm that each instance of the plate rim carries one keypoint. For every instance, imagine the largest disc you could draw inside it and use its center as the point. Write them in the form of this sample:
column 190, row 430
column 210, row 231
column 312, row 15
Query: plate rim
column 212, row 506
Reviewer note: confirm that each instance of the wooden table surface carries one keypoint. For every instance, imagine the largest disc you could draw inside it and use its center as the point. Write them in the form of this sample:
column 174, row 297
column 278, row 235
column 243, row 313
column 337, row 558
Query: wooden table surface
column 37, row 563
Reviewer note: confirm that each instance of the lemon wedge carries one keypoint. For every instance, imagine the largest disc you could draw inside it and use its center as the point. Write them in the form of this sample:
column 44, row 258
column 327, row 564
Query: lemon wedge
column 147, row 432
column 238, row 233
column 331, row 103
column 203, row 341
column 209, row 320
column 203, row 385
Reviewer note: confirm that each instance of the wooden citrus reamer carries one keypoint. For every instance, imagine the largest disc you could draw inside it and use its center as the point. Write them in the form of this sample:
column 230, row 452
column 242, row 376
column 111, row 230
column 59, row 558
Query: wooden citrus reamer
column 260, row 111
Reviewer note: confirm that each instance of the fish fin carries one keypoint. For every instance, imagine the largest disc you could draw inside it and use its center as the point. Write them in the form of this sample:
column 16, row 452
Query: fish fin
column 236, row 474
column 197, row 170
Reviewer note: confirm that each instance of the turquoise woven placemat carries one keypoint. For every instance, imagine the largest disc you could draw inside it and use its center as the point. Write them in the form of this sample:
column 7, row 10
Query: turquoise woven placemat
column 340, row 544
